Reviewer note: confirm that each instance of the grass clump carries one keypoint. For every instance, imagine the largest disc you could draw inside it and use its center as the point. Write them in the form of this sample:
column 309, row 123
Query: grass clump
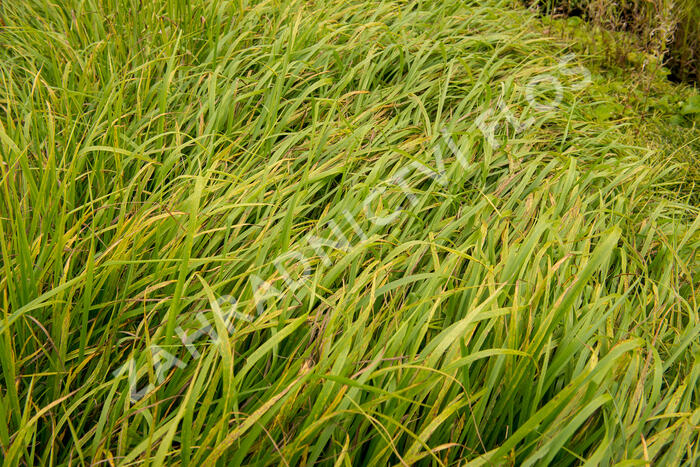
column 412, row 281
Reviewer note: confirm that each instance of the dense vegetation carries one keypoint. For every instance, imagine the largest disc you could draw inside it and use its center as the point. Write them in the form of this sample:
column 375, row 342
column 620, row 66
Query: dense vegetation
column 667, row 29
column 430, row 258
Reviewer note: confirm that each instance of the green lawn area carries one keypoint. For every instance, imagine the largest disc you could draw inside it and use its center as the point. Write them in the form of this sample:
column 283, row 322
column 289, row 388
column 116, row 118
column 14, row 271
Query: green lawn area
column 341, row 232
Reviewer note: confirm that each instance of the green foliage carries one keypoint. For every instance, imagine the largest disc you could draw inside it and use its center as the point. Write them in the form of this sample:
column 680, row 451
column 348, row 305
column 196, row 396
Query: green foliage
column 540, row 307
column 692, row 106
column 669, row 29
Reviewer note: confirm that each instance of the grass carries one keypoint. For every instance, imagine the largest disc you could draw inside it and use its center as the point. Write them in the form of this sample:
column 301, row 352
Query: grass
column 536, row 303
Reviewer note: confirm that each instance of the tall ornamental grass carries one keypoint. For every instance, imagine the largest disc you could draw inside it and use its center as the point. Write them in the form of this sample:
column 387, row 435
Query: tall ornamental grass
column 529, row 297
